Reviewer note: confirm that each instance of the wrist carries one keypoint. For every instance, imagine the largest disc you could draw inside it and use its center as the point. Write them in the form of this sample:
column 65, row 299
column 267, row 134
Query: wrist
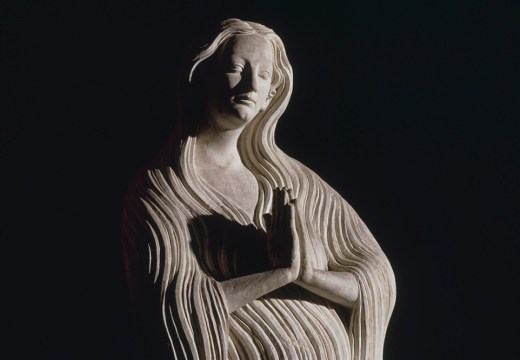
column 306, row 275
column 289, row 274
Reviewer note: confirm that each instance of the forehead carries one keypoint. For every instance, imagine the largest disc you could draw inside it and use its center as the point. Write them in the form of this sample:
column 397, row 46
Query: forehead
column 253, row 48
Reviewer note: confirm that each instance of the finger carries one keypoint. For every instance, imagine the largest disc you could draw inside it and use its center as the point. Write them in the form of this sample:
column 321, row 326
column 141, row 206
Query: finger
column 279, row 203
column 294, row 230
column 274, row 207
column 288, row 216
column 289, row 213
column 285, row 211
column 285, row 196
column 292, row 197
column 281, row 194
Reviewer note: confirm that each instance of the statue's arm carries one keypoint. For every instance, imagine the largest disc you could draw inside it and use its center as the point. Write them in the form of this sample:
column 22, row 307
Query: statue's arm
column 240, row 291
column 284, row 252
column 339, row 287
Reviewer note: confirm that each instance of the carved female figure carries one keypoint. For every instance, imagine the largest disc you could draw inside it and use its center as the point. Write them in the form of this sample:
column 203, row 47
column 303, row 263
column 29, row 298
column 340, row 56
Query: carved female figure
column 232, row 248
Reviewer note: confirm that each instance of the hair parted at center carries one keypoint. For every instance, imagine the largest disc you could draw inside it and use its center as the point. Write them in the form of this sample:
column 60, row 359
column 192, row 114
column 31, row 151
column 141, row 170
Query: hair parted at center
column 233, row 27
column 258, row 135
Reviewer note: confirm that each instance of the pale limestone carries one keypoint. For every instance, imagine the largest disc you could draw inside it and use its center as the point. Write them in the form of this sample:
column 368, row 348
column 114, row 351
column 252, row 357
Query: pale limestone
column 232, row 248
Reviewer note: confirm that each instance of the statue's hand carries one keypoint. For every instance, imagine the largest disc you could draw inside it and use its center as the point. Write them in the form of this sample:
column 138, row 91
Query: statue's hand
column 306, row 269
column 283, row 245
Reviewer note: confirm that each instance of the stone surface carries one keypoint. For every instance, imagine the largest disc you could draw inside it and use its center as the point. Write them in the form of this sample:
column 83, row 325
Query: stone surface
column 232, row 248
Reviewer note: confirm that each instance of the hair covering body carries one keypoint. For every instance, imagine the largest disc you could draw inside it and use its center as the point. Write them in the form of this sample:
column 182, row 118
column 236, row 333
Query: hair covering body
column 174, row 265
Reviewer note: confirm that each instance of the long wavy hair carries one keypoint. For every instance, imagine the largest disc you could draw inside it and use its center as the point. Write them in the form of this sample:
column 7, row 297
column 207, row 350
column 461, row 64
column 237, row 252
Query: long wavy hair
column 256, row 144
column 338, row 238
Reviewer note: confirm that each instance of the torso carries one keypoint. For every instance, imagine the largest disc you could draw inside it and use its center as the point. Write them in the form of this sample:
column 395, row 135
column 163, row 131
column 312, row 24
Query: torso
column 301, row 325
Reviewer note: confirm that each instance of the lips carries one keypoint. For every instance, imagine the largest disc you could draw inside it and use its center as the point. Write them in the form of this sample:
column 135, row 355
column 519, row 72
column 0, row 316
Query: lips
column 244, row 99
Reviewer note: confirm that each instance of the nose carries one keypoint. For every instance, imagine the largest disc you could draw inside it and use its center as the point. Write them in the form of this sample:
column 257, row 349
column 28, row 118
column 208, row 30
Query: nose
column 252, row 81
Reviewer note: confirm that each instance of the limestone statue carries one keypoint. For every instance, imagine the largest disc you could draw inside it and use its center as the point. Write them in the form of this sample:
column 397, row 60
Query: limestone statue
column 234, row 250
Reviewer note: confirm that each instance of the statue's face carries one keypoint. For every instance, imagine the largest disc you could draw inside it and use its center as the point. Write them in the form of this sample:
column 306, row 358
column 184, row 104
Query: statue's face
column 239, row 88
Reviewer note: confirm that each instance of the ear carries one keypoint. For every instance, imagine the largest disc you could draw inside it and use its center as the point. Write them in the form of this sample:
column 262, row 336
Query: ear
column 271, row 95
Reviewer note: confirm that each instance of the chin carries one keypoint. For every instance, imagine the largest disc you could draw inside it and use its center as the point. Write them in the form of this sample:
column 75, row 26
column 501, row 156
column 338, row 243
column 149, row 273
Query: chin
column 244, row 115
column 235, row 117
column 233, row 122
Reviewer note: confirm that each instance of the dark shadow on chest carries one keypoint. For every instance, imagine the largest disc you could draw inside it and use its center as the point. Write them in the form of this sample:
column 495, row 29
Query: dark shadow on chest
column 225, row 249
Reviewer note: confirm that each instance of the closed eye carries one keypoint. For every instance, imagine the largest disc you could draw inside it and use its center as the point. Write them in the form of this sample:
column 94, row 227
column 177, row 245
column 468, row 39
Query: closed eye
column 236, row 68
column 266, row 75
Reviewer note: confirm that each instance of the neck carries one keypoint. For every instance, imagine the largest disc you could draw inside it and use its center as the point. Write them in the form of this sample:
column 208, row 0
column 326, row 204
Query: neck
column 218, row 146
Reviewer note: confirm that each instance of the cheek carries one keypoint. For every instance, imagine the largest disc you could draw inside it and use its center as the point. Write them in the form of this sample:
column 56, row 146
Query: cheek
column 263, row 99
column 231, row 81
column 264, row 90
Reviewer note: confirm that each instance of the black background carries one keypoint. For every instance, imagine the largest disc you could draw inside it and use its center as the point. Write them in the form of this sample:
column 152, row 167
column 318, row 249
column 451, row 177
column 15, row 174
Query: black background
column 410, row 109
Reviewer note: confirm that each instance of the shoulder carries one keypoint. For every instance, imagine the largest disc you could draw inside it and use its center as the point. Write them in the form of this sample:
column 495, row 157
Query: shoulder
column 317, row 195
column 153, row 182
column 311, row 182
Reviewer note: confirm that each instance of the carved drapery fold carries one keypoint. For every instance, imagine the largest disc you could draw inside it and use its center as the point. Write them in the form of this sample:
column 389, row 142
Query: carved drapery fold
column 181, row 237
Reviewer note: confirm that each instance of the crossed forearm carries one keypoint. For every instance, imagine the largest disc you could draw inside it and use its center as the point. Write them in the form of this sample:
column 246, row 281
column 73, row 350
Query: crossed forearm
column 339, row 287
column 242, row 290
